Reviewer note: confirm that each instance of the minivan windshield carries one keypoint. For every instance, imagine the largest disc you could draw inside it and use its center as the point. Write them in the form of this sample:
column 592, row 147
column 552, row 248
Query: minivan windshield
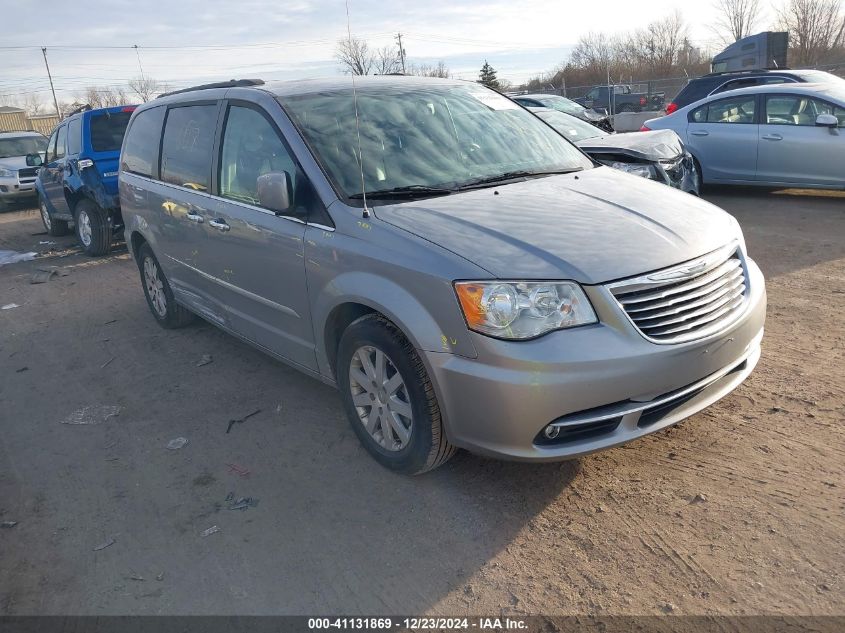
column 562, row 104
column 571, row 127
column 22, row 145
column 424, row 139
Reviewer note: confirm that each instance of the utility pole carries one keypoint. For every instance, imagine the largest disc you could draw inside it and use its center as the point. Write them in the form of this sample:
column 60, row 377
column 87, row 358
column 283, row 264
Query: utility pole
column 141, row 68
column 401, row 51
column 50, row 77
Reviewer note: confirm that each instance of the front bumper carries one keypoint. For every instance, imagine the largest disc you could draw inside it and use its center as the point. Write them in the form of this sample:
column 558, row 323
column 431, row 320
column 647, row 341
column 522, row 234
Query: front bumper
column 605, row 382
column 14, row 188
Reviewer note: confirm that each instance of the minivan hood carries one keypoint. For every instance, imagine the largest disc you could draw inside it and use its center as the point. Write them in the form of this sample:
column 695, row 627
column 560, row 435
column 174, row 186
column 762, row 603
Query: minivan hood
column 654, row 146
column 592, row 227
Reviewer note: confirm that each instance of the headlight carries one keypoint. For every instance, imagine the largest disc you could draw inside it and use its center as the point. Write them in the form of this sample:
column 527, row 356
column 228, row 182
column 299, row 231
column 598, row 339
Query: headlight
column 6, row 173
column 523, row 309
column 638, row 169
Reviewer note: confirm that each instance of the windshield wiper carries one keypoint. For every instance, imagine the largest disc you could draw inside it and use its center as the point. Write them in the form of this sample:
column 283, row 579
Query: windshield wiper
column 411, row 191
column 513, row 175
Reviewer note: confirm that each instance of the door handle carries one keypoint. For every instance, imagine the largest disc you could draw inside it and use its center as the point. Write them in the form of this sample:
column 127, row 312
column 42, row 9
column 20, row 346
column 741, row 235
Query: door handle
column 194, row 217
column 773, row 137
column 700, row 133
column 220, row 225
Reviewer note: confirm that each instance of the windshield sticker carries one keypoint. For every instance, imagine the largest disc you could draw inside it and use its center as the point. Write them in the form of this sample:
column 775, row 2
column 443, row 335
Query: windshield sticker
column 494, row 100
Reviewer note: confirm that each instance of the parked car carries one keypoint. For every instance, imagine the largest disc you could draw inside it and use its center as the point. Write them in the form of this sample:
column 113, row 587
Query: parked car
column 781, row 135
column 562, row 104
column 464, row 275
column 624, row 99
column 715, row 83
column 78, row 181
column 19, row 160
column 658, row 155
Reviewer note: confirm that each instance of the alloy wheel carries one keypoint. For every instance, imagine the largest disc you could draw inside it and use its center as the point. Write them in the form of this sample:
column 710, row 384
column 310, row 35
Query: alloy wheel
column 380, row 398
column 45, row 216
column 155, row 287
column 84, row 228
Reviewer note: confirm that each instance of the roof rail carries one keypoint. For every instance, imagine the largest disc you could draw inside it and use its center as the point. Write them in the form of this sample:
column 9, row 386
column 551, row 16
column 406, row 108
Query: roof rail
column 749, row 71
column 232, row 83
column 81, row 108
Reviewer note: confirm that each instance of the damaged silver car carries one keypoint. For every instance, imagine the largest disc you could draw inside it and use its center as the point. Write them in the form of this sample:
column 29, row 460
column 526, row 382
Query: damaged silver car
column 658, row 155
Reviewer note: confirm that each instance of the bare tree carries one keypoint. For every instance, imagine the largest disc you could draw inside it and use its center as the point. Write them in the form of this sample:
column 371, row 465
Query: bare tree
column 355, row 56
column 145, row 87
column 736, row 19
column 816, row 29
column 30, row 102
column 427, row 70
column 386, row 61
column 101, row 97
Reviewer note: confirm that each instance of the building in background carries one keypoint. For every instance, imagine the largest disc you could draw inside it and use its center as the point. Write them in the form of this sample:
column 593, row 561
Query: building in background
column 14, row 119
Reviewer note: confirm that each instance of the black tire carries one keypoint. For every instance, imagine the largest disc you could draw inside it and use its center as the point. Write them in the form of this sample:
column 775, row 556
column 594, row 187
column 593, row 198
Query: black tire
column 169, row 314
column 427, row 447
column 55, row 228
column 94, row 227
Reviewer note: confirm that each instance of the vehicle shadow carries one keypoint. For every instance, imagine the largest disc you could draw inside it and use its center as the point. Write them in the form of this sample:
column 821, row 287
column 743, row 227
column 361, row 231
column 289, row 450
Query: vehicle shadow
column 786, row 230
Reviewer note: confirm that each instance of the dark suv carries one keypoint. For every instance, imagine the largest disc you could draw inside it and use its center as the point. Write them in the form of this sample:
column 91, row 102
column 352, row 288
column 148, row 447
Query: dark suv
column 78, row 180
column 713, row 83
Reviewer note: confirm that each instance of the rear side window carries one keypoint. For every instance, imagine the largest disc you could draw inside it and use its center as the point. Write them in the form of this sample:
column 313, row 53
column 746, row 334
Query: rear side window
column 107, row 130
column 735, row 110
column 74, row 136
column 141, row 149
column 187, row 144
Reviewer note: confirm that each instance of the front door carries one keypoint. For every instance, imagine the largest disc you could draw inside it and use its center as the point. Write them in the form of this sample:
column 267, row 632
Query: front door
column 54, row 171
column 255, row 257
column 794, row 150
column 722, row 135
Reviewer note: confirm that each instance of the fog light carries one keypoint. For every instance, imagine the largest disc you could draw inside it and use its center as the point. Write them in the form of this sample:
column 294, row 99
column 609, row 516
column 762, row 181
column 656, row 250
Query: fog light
column 551, row 432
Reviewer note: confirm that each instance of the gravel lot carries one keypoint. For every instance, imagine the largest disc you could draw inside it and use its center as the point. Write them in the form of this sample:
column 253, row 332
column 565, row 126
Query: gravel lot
column 738, row 510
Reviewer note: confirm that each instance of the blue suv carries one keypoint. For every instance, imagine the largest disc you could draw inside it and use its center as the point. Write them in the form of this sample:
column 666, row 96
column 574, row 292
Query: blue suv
column 77, row 182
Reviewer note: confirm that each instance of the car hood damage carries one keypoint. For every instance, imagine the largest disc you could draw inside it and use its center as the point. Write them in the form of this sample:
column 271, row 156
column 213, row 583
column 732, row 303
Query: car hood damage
column 591, row 227
column 656, row 145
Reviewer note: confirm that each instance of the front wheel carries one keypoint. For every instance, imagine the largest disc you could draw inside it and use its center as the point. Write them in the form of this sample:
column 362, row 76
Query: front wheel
column 389, row 398
column 55, row 228
column 160, row 299
column 93, row 228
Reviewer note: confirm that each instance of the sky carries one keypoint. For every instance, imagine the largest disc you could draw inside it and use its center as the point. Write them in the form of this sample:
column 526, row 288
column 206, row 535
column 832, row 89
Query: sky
column 185, row 42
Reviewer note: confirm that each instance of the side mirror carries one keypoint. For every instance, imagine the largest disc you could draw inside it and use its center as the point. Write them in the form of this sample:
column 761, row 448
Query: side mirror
column 827, row 120
column 275, row 192
column 34, row 160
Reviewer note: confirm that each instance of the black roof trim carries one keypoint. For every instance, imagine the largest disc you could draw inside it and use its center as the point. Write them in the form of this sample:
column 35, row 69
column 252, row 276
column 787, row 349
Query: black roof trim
column 749, row 71
column 232, row 83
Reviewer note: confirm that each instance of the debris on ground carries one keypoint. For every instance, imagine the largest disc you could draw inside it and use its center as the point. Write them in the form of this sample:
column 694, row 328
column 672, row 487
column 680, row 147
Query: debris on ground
column 205, row 360
column 160, row 577
column 241, row 420
column 699, row 498
column 177, row 443
column 667, row 607
column 12, row 257
column 210, row 531
column 92, row 414
column 42, row 276
column 243, row 503
column 240, row 471
column 21, row 370
column 45, row 243
column 8, row 524
column 107, row 363
column 10, row 306
column 104, row 545
column 137, row 577
column 110, row 322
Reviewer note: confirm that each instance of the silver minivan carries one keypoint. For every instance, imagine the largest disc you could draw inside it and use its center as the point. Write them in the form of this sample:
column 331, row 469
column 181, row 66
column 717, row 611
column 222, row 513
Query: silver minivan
column 463, row 274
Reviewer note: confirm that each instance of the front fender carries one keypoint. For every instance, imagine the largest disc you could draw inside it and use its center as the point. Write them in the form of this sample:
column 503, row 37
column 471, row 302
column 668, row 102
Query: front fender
column 425, row 331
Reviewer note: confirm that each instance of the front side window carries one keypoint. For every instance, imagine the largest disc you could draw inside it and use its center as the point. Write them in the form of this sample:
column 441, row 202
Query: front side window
column 61, row 142
column 107, row 130
column 251, row 148
column 140, row 152
column 22, row 145
column 443, row 136
column 51, row 146
column 593, row 94
column 186, row 146
column 736, row 110
column 799, row 110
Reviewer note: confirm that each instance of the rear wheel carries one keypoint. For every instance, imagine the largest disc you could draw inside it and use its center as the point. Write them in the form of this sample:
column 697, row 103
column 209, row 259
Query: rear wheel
column 389, row 398
column 55, row 228
column 160, row 299
column 93, row 228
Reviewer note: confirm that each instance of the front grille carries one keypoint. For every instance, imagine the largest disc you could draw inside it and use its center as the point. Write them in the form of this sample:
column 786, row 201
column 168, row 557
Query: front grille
column 710, row 295
column 30, row 172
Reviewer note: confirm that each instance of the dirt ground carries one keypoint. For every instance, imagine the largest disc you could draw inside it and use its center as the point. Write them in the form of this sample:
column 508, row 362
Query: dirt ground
column 738, row 510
